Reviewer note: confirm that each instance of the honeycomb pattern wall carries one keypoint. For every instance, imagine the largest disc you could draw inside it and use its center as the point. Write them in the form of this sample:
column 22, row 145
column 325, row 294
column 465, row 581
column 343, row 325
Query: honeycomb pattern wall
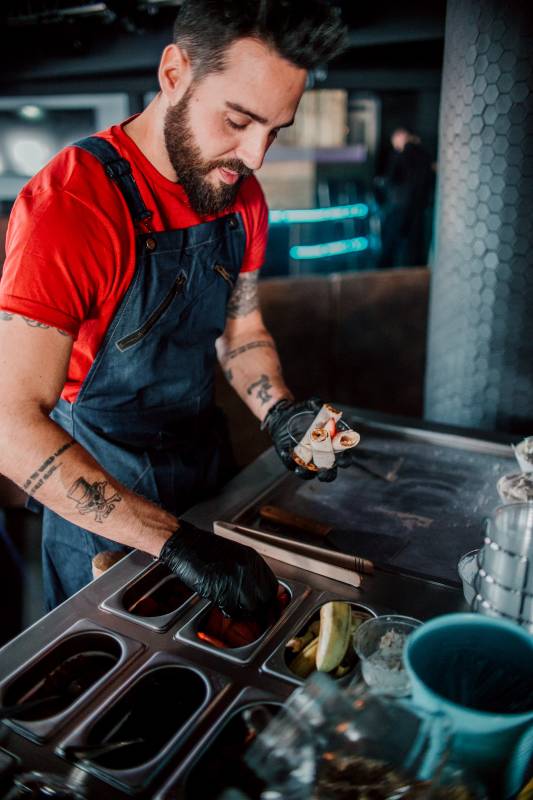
column 479, row 371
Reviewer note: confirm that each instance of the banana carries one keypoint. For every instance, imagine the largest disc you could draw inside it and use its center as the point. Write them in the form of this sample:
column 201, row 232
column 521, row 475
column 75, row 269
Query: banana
column 334, row 636
column 341, row 670
column 305, row 662
column 297, row 643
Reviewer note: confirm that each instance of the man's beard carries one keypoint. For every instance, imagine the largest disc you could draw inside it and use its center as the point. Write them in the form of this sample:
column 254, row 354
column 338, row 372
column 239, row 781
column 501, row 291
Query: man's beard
column 185, row 156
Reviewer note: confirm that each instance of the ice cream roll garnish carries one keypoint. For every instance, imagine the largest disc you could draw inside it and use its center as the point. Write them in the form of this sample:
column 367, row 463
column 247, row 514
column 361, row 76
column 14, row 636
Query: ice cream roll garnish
column 322, row 448
column 331, row 427
column 306, row 464
column 304, row 450
column 344, row 440
column 322, row 439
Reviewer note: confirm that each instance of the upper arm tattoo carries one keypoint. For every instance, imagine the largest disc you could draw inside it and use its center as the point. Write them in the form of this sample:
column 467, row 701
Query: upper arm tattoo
column 244, row 298
column 7, row 316
column 33, row 323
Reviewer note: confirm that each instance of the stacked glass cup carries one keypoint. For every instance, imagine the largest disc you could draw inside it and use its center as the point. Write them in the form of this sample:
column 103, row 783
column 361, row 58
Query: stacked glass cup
column 504, row 580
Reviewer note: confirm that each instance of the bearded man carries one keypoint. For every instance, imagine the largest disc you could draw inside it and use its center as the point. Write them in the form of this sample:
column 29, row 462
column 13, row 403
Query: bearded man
column 132, row 263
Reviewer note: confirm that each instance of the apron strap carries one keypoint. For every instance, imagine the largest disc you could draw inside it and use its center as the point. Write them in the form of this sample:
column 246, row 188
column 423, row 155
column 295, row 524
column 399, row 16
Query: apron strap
column 119, row 170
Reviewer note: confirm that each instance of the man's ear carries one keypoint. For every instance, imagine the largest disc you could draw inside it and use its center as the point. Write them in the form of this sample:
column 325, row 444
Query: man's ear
column 175, row 73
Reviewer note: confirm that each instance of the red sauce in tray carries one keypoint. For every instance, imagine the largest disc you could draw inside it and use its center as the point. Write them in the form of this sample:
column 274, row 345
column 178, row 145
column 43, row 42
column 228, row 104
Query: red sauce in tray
column 225, row 632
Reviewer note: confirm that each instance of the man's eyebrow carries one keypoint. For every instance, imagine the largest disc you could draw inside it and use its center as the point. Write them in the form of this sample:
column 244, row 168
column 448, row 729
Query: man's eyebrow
column 262, row 120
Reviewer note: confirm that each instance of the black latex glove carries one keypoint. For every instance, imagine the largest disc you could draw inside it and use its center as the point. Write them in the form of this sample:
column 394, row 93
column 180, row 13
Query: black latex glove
column 276, row 423
column 233, row 576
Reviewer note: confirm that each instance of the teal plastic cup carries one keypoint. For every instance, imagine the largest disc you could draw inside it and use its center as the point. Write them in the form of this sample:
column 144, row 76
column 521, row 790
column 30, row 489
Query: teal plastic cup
column 478, row 671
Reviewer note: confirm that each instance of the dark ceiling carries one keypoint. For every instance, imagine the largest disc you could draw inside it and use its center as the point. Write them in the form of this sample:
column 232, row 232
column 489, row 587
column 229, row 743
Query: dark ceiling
column 59, row 39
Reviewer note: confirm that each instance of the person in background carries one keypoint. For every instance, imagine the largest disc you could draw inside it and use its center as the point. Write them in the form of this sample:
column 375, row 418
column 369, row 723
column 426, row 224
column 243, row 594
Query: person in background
column 132, row 264
column 408, row 188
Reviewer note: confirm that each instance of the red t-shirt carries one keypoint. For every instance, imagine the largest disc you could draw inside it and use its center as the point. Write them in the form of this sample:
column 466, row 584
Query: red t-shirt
column 70, row 246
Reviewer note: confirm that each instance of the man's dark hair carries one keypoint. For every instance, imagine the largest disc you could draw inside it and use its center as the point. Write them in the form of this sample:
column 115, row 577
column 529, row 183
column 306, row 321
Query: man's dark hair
column 305, row 32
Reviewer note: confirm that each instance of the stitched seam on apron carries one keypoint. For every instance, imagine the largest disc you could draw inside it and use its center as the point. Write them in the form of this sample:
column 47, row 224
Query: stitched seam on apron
column 141, row 476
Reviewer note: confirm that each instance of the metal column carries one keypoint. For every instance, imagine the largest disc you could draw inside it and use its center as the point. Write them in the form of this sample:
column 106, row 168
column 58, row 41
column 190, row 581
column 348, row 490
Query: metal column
column 480, row 347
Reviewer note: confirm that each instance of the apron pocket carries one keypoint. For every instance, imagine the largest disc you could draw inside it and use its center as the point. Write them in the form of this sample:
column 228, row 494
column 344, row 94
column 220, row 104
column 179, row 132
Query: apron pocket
column 133, row 338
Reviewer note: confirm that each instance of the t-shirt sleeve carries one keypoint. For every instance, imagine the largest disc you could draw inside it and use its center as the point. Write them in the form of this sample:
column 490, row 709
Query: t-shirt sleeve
column 256, row 225
column 55, row 251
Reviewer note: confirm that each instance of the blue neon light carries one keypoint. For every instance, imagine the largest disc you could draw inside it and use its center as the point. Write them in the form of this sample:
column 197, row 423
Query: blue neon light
column 340, row 248
column 333, row 214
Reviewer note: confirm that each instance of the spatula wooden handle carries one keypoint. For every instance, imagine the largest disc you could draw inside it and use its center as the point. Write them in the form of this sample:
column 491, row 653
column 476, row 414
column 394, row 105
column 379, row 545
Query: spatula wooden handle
column 282, row 517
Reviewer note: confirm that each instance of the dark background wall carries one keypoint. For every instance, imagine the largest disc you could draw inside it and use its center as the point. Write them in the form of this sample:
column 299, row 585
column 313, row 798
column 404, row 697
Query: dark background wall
column 394, row 51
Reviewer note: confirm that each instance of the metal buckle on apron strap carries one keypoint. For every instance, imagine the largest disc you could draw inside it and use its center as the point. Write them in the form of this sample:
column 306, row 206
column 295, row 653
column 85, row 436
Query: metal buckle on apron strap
column 144, row 223
column 121, row 168
column 118, row 168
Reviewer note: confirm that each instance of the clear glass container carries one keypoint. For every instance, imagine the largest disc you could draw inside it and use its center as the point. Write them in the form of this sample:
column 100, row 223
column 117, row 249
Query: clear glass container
column 326, row 743
column 379, row 643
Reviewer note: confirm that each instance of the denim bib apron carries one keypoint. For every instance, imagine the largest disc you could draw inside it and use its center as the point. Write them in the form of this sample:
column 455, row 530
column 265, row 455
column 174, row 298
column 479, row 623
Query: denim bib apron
column 146, row 410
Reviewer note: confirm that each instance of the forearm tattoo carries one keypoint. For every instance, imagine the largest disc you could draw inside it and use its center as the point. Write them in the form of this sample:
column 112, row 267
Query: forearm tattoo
column 248, row 346
column 7, row 316
column 91, row 498
column 261, row 388
column 47, row 468
column 244, row 298
column 229, row 375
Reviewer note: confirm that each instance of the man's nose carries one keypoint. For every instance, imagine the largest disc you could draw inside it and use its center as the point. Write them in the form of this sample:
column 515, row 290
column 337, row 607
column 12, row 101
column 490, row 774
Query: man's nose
column 252, row 149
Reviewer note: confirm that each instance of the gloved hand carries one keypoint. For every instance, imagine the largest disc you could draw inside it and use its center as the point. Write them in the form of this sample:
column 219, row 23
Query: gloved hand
column 233, row 576
column 276, row 423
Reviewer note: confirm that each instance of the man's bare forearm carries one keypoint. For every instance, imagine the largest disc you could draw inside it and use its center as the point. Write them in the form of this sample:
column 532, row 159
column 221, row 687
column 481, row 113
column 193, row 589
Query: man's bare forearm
column 51, row 467
column 246, row 350
column 251, row 365
column 43, row 459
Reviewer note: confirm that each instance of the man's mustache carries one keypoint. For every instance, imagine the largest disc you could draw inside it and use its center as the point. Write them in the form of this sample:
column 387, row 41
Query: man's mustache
column 233, row 164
